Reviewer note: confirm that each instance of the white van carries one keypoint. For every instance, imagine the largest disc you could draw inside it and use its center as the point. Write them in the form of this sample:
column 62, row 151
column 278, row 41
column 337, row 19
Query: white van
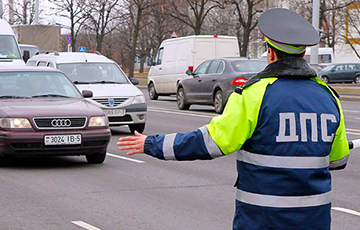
column 177, row 55
column 9, row 48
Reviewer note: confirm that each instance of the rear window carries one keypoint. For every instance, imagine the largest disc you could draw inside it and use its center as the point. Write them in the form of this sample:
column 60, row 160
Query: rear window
column 245, row 66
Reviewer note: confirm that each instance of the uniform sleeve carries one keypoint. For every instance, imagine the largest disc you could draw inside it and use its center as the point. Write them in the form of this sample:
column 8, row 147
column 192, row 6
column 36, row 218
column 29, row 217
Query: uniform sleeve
column 340, row 148
column 238, row 122
column 225, row 133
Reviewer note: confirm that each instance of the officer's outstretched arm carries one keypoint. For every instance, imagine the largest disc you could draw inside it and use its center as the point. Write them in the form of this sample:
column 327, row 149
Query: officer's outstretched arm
column 225, row 134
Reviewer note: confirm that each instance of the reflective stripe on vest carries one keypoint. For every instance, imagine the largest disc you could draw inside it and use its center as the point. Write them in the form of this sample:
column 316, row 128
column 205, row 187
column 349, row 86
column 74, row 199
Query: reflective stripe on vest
column 283, row 201
column 339, row 163
column 168, row 147
column 210, row 144
column 283, row 161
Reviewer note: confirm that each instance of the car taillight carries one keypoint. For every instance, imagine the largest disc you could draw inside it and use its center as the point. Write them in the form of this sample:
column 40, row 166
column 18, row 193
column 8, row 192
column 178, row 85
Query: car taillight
column 239, row 81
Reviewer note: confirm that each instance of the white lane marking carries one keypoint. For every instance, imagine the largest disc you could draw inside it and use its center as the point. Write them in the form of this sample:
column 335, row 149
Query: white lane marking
column 349, row 211
column 181, row 113
column 125, row 158
column 353, row 133
column 351, row 111
column 85, row 225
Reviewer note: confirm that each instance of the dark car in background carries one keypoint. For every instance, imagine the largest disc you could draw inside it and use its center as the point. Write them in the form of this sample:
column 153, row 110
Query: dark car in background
column 344, row 72
column 43, row 113
column 214, row 80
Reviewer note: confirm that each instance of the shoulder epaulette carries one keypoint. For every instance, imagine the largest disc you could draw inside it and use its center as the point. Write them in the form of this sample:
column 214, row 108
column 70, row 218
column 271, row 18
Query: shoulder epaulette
column 252, row 81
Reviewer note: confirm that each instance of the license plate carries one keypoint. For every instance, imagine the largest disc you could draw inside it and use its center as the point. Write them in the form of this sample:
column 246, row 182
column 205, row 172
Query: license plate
column 114, row 112
column 62, row 139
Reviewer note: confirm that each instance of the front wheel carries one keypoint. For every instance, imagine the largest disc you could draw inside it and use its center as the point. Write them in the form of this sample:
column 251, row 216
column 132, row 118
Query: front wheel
column 357, row 80
column 181, row 101
column 219, row 102
column 152, row 92
column 96, row 158
column 137, row 127
column 325, row 79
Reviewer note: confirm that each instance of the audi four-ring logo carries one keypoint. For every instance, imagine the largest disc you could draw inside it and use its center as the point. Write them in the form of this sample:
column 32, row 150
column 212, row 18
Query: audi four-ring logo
column 61, row 123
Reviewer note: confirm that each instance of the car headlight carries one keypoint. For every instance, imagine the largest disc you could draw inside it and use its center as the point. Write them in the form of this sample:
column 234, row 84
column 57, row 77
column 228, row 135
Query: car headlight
column 100, row 121
column 139, row 99
column 15, row 123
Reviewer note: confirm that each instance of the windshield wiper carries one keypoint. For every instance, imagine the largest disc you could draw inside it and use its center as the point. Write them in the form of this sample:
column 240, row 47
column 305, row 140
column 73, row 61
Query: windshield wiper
column 11, row 96
column 50, row 95
column 81, row 82
column 106, row 82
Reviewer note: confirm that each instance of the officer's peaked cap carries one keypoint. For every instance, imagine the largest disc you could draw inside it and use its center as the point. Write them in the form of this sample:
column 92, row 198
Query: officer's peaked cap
column 287, row 30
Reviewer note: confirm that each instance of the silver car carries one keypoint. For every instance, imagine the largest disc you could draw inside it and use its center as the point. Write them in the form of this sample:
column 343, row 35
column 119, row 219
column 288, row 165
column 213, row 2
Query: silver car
column 123, row 102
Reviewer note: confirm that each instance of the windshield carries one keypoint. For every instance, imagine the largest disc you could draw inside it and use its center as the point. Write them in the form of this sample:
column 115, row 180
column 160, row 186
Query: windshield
column 246, row 66
column 82, row 73
column 36, row 84
column 8, row 47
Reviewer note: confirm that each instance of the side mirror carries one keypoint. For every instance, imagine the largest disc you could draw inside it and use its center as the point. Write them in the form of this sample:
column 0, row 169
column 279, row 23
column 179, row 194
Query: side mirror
column 189, row 72
column 135, row 81
column 87, row 93
column 149, row 62
column 26, row 56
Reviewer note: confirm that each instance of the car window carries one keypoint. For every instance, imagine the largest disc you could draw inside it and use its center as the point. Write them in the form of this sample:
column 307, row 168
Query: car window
column 31, row 63
column 94, row 72
column 215, row 66
column 159, row 56
column 36, row 84
column 202, row 68
column 41, row 63
column 339, row 68
column 49, row 64
column 351, row 67
column 8, row 47
column 221, row 67
column 245, row 66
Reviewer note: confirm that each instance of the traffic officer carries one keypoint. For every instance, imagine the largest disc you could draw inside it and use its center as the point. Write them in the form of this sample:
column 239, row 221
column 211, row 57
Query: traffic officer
column 286, row 127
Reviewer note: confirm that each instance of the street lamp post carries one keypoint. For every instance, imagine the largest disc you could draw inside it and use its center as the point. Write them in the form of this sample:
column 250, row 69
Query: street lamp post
column 314, row 57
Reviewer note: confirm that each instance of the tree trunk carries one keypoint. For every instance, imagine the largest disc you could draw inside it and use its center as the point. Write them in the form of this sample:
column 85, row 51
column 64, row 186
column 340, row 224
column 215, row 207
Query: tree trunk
column 134, row 43
column 245, row 43
column 142, row 61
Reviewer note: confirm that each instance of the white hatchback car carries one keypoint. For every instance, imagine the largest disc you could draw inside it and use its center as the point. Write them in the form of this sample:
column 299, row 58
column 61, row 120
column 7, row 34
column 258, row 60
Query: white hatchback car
column 112, row 91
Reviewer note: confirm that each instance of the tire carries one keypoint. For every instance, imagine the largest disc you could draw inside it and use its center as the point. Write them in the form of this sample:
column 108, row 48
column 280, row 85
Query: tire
column 181, row 100
column 137, row 127
column 357, row 79
column 219, row 102
column 96, row 158
column 152, row 92
column 325, row 79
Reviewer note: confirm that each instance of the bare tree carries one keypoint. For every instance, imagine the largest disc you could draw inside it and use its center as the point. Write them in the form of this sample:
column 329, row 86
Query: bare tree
column 103, row 16
column 22, row 12
column 75, row 10
column 246, row 12
column 192, row 12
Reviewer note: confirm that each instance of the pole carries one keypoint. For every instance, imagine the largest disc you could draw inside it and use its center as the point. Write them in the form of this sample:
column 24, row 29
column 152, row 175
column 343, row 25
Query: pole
column 314, row 56
column 36, row 12
column 1, row 9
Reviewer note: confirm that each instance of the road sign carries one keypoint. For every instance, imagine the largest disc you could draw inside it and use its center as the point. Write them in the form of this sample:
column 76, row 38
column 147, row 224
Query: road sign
column 82, row 49
column 69, row 39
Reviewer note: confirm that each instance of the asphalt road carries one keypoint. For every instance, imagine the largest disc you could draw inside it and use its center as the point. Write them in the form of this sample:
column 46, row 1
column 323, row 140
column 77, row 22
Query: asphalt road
column 143, row 193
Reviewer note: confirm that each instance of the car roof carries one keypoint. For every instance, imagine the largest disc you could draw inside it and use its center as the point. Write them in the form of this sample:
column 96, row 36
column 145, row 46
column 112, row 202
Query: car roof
column 71, row 57
column 28, row 69
column 28, row 46
column 238, row 59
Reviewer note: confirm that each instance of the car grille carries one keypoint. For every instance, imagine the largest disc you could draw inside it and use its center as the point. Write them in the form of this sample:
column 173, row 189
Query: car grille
column 60, row 123
column 110, row 102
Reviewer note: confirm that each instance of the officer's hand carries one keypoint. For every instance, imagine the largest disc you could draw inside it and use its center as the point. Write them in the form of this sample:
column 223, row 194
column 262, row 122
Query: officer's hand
column 135, row 143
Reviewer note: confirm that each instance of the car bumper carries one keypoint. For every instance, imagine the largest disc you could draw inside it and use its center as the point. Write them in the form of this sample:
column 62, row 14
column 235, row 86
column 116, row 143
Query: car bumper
column 32, row 143
column 134, row 114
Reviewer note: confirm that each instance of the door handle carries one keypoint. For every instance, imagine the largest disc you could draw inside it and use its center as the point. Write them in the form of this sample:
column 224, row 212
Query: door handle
column 214, row 79
column 160, row 68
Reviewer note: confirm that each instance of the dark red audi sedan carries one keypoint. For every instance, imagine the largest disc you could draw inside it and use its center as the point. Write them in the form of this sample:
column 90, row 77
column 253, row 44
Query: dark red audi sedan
column 43, row 113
